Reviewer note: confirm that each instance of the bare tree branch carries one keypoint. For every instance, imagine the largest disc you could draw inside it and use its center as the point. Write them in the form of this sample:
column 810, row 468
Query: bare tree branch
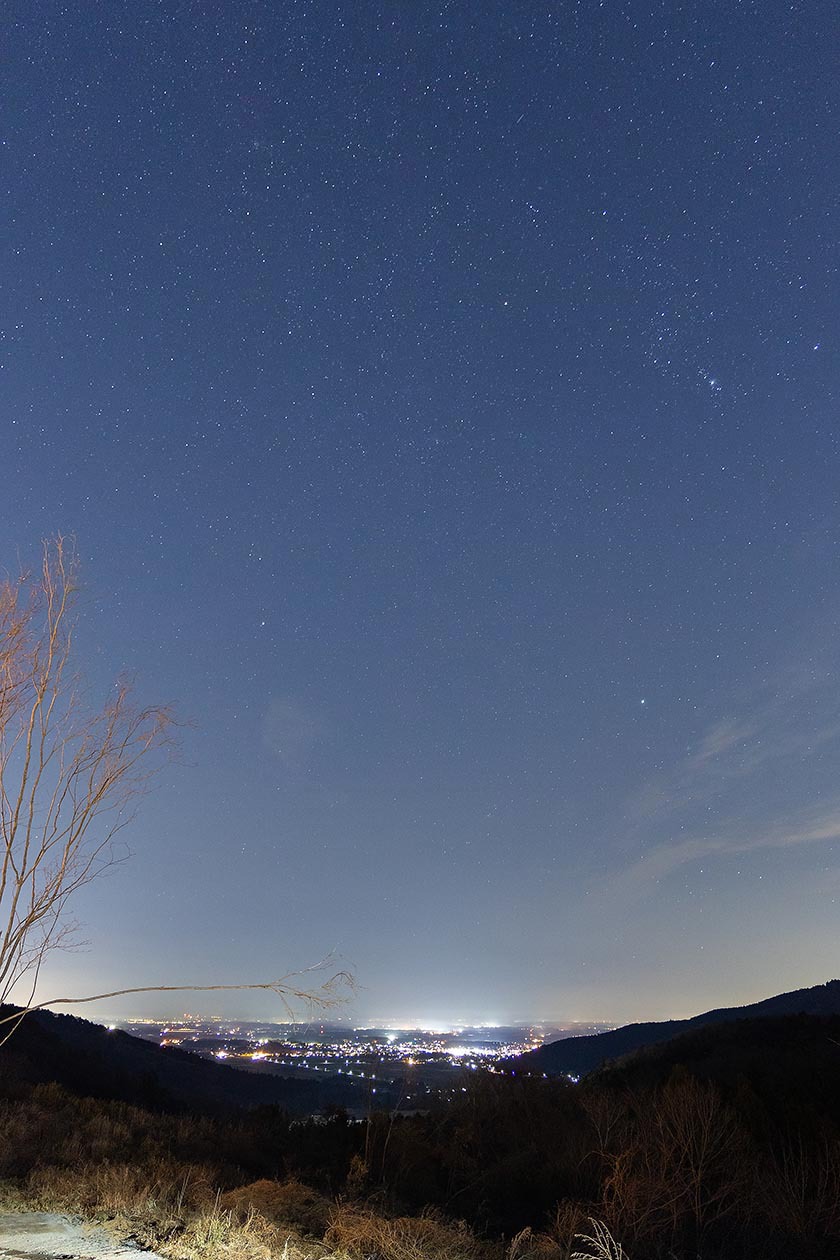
column 69, row 780
column 328, row 994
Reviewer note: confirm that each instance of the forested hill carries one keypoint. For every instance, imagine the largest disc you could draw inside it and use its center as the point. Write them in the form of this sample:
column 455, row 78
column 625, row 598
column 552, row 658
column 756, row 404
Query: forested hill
column 576, row 1056
column 93, row 1061
column 790, row 1062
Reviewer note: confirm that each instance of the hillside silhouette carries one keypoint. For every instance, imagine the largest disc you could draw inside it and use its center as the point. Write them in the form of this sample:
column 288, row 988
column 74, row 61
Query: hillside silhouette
column 576, row 1056
column 790, row 1063
column 96, row 1062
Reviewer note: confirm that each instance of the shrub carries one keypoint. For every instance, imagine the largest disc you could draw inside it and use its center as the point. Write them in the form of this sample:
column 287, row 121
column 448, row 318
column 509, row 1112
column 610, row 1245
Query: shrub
column 283, row 1203
column 366, row 1234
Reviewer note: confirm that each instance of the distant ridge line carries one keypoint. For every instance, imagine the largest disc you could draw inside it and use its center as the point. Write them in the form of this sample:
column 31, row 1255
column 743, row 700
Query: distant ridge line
column 575, row 1056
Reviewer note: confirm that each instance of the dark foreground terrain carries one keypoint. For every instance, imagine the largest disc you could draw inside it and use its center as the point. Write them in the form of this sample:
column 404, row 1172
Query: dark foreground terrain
column 723, row 1143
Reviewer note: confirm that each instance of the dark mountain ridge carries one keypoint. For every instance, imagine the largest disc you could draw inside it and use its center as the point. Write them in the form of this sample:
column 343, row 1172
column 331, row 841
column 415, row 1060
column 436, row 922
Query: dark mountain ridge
column 575, row 1056
column 791, row 1063
column 97, row 1062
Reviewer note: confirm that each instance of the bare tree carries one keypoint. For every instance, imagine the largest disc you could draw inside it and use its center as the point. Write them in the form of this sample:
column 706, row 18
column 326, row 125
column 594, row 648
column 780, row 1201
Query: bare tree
column 70, row 777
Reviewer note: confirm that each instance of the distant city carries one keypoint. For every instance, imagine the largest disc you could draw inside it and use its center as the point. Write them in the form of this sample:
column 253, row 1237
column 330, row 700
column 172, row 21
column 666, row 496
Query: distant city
column 416, row 1062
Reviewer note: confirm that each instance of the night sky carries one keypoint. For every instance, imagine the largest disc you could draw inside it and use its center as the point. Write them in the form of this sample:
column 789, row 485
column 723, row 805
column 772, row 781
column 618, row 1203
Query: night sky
column 444, row 399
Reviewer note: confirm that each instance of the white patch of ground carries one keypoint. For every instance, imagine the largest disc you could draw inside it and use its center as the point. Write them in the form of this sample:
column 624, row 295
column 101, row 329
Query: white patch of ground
column 49, row 1236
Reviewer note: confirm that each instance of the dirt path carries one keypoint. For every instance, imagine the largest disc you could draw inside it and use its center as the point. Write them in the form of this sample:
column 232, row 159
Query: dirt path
column 48, row 1236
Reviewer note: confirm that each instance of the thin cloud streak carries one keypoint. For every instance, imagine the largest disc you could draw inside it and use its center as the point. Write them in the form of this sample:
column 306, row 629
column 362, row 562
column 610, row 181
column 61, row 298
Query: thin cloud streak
column 664, row 859
column 788, row 728
column 713, row 797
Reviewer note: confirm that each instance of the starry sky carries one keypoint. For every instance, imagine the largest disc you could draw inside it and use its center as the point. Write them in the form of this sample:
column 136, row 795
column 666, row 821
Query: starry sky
column 444, row 400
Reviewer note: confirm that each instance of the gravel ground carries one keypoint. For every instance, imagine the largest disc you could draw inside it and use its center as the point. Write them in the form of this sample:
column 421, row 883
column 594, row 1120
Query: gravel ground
column 34, row 1235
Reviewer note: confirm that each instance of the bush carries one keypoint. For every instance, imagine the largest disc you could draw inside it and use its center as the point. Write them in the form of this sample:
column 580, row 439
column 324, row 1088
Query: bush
column 287, row 1202
column 374, row 1237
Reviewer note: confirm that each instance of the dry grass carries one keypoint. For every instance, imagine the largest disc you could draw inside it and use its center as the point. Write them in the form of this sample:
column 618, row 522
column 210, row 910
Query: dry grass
column 155, row 1189
column 218, row 1234
column 530, row 1245
column 112, row 1163
column 599, row 1244
column 560, row 1240
column 77, row 1131
column 288, row 1203
column 158, row 1181
column 13, row 1199
column 364, row 1234
column 176, row 1211
column 182, row 1219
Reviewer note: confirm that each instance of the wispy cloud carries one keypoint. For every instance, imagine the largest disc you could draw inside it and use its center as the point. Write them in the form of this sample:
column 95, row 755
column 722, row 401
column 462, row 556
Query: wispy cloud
column 291, row 730
column 661, row 860
column 746, row 784
column 724, row 737
column 791, row 727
